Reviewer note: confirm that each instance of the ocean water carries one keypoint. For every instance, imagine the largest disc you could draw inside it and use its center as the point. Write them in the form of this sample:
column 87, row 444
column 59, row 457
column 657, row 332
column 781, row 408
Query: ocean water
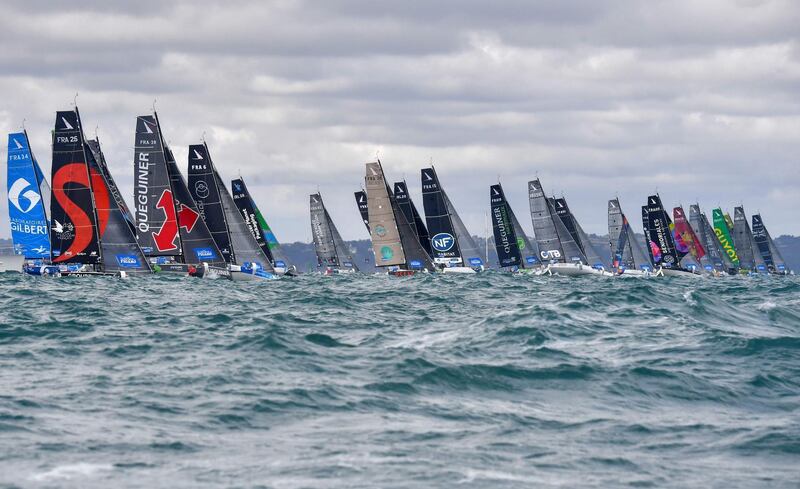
column 371, row 381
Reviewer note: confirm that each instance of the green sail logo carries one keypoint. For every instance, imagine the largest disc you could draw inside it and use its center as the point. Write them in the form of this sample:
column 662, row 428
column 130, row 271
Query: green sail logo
column 724, row 236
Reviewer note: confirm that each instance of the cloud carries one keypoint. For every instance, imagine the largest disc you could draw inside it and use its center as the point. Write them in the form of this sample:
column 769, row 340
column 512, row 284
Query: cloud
column 695, row 99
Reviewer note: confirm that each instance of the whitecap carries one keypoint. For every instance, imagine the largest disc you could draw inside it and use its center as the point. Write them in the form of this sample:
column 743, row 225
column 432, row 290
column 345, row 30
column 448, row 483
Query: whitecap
column 71, row 471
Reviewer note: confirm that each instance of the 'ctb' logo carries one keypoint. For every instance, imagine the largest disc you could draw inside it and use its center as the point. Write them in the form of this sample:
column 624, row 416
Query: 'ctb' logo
column 443, row 242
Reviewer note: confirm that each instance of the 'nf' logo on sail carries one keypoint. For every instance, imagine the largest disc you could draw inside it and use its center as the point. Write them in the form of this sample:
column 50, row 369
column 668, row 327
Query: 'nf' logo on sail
column 67, row 125
column 443, row 242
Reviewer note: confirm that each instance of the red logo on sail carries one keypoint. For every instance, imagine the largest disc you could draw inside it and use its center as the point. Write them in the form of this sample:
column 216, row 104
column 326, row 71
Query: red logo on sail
column 166, row 236
column 74, row 173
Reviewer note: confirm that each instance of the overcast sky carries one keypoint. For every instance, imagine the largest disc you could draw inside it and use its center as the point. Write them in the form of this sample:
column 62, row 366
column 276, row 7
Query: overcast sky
column 699, row 100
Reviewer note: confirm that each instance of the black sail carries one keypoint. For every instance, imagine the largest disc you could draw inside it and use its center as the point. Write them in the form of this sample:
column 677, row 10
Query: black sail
column 244, row 204
column 73, row 232
column 444, row 245
column 203, row 186
column 590, row 254
column 363, row 208
column 197, row 243
column 120, row 250
column 769, row 252
column 154, row 207
column 413, row 217
column 658, row 233
column 745, row 244
column 505, row 236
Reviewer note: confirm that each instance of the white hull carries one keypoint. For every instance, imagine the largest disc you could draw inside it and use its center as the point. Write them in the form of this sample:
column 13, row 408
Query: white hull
column 247, row 275
column 573, row 270
column 458, row 270
column 669, row 272
column 629, row 272
column 11, row 263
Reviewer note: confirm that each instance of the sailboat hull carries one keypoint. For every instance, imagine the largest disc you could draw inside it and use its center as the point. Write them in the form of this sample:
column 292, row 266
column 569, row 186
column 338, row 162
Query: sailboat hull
column 573, row 270
column 248, row 274
column 630, row 272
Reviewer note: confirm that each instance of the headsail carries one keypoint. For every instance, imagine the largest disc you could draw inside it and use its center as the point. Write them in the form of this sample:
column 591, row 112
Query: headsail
column 120, row 250
column 505, row 236
column 406, row 205
column 203, row 185
column 361, row 202
column 27, row 205
column 73, row 230
column 245, row 205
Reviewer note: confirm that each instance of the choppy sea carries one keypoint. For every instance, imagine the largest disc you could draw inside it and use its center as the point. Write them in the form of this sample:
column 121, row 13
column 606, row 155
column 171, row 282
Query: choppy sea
column 371, row 381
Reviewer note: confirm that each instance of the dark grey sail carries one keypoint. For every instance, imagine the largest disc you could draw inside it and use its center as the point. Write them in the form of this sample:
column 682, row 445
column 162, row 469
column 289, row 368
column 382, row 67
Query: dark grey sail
column 544, row 227
column 505, row 236
column 328, row 244
column 573, row 253
column 156, row 220
column 206, row 193
column 591, row 254
column 403, row 199
column 100, row 159
column 245, row 247
column 119, row 248
column 713, row 259
column 363, row 208
column 769, row 252
column 444, row 244
column 620, row 237
column 470, row 252
column 749, row 258
column 658, row 233
column 197, row 244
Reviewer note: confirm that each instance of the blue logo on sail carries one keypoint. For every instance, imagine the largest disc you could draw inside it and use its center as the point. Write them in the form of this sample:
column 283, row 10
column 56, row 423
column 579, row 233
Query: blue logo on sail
column 280, row 264
column 476, row 262
column 443, row 242
column 415, row 264
column 128, row 261
column 204, row 254
column 531, row 260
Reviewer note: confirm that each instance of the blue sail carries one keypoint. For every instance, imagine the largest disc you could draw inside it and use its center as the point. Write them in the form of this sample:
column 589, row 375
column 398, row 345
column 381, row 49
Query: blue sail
column 30, row 228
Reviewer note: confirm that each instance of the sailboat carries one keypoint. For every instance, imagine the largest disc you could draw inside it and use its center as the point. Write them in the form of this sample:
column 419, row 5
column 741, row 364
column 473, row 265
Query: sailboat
column 28, row 202
column 333, row 255
column 628, row 258
column 558, row 250
column 766, row 246
column 166, row 217
column 658, row 230
column 259, row 228
column 453, row 248
column 395, row 243
column 576, row 231
column 246, row 260
column 717, row 262
column 686, row 240
column 514, row 249
column 363, row 209
column 750, row 259
column 89, row 232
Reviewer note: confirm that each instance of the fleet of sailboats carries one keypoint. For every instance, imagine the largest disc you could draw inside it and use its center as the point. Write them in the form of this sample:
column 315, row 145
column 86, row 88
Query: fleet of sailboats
column 82, row 225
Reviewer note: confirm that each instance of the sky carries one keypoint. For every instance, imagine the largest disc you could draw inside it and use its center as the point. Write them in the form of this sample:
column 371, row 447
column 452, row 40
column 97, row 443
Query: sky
column 699, row 101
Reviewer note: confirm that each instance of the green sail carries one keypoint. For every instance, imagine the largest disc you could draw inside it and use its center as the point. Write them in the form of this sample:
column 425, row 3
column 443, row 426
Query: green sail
column 723, row 233
column 269, row 236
